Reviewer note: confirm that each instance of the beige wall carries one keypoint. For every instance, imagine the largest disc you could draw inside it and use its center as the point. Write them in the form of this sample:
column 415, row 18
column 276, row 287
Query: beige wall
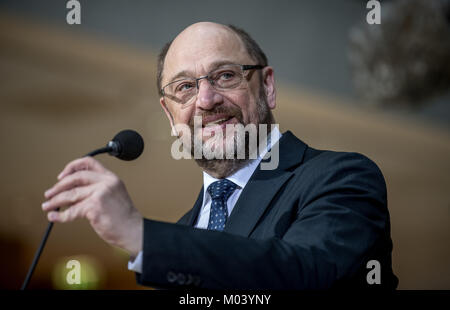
column 63, row 94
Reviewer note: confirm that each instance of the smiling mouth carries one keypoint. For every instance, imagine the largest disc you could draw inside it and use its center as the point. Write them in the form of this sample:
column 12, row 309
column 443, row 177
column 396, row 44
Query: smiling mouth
column 217, row 122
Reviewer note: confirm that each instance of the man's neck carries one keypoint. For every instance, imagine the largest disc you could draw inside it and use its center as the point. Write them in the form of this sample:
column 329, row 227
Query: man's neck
column 222, row 168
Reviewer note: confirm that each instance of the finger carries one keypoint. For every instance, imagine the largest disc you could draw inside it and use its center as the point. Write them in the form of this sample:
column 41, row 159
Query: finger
column 67, row 198
column 68, row 215
column 79, row 178
column 84, row 163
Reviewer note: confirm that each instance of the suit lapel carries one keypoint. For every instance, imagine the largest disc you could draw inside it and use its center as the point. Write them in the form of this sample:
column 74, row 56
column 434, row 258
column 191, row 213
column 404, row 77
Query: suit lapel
column 253, row 201
column 263, row 186
column 195, row 210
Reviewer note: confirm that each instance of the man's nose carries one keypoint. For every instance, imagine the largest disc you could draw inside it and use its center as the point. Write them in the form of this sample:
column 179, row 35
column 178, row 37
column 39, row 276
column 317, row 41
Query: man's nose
column 207, row 96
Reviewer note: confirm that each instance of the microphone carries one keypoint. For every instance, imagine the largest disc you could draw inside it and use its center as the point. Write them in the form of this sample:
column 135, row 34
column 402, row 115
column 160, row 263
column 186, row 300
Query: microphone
column 126, row 145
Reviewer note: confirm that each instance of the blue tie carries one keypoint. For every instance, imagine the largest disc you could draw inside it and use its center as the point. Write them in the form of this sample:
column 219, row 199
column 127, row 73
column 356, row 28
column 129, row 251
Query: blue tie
column 220, row 191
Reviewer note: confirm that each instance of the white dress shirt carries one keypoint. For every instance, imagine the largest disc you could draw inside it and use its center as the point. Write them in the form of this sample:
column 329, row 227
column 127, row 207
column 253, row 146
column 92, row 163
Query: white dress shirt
column 240, row 178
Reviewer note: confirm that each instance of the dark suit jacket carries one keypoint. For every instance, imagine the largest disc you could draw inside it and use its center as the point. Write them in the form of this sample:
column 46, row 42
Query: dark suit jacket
column 312, row 223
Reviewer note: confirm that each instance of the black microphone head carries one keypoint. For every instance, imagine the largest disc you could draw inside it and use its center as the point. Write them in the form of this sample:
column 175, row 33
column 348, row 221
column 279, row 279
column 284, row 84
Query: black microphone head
column 130, row 145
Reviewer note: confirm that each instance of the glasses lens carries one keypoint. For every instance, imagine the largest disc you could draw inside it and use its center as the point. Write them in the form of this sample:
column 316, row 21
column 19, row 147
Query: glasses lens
column 227, row 77
column 181, row 90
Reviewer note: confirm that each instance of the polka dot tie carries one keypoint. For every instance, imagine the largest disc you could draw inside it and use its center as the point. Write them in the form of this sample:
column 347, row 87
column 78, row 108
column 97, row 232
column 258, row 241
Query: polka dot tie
column 220, row 191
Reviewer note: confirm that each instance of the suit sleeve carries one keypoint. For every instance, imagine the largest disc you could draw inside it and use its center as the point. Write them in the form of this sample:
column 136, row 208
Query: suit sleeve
column 339, row 220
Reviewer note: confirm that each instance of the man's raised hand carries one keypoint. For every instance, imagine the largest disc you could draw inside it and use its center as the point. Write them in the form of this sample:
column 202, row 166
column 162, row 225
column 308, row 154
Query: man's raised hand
column 91, row 191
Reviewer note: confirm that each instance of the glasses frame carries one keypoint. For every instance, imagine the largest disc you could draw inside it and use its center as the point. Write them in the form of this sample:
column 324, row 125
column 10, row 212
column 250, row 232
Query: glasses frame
column 207, row 77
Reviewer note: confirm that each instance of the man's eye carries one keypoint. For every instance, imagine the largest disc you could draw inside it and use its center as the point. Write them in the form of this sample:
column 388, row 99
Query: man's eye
column 228, row 75
column 184, row 87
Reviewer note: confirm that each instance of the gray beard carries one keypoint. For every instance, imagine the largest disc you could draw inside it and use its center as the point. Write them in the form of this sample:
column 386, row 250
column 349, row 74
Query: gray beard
column 222, row 168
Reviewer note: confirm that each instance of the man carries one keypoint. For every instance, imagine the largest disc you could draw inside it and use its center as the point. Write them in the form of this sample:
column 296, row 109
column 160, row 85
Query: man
column 313, row 222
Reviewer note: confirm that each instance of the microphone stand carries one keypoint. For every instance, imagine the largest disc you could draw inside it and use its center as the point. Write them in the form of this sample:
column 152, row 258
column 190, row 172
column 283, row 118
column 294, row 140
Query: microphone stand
column 105, row 149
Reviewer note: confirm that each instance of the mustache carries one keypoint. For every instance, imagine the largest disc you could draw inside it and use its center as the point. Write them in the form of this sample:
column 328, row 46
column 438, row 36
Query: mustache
column 229, row 111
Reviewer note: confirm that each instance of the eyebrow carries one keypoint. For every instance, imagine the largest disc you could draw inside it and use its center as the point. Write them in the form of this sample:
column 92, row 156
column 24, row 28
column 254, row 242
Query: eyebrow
column 213, row 66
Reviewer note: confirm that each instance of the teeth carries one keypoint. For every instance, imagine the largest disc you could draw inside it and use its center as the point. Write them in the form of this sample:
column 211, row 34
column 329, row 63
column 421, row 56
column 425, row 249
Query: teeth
column 215, row 122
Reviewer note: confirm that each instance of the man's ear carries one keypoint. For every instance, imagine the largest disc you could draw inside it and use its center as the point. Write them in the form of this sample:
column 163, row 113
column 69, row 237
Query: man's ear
column 269, row 86
column 169, row 115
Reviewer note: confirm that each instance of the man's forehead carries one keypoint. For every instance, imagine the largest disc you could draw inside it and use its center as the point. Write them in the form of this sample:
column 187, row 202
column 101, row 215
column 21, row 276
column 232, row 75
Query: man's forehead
column 199, row 47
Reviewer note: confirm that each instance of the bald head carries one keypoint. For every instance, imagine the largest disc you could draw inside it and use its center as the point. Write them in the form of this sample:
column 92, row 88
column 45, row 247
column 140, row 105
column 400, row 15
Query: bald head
column 204, row 36
column 203, row 43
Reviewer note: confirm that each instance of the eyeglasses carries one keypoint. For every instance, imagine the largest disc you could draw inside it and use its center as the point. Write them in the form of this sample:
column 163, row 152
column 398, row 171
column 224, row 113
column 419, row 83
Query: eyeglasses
column 223, row 78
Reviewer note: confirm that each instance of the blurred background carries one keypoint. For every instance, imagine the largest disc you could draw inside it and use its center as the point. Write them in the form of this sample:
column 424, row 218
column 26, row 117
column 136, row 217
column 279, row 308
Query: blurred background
column 342, row 84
